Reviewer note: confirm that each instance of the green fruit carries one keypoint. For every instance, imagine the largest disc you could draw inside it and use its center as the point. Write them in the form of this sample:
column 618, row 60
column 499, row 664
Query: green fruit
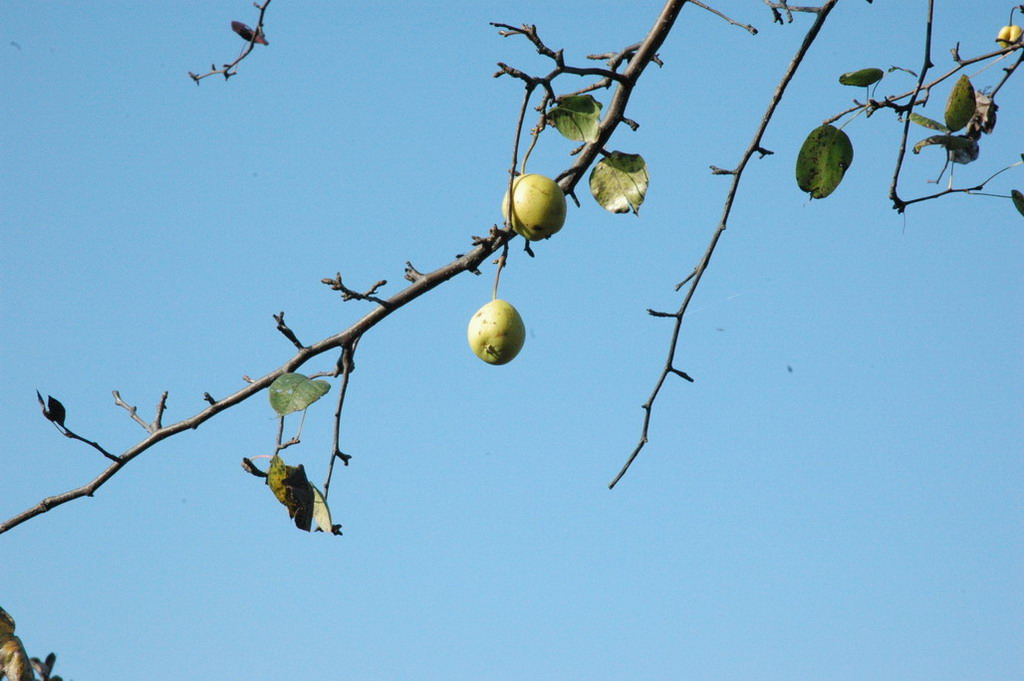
column 1008, row 35
column 538, row 210
column 496, row 332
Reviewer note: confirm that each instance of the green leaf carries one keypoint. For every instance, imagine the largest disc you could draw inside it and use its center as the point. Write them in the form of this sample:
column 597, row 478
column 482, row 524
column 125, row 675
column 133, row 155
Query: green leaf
column 1018, row 201
column 960, row 105
column 927, row 122
column 861, row 78
column 577, row 117
column 823, row 160
column 293, row 489
column 295, row 392
column 619, row 182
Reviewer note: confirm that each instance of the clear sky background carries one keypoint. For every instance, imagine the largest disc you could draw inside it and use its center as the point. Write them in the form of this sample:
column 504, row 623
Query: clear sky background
column 858, row 517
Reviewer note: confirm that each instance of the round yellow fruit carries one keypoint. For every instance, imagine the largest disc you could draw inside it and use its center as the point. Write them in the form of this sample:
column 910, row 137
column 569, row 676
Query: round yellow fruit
column 1008, row 35
column 496, row 332
column 538, row 209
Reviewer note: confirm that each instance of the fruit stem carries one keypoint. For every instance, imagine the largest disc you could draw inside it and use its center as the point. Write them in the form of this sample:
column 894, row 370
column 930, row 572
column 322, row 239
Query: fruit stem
column 497, row 275
column 854, row 117
column 990, row 64
column 526, row 156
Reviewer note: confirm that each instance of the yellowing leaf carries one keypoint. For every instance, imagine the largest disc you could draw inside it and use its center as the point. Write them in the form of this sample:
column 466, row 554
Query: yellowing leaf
column 960, row 105
column 823, row 160
column 619, row 182
column 291, row 487
column 295, row 392
column 322, row 513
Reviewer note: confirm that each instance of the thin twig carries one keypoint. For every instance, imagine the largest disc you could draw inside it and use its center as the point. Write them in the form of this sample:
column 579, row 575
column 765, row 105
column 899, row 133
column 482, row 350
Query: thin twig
column 132, row 411
column 894, row 196
column 782, row 4
column 286, row 331
column 348, row 294
column 890, row 101
column 346, row 364
column 68, row 433
column 747, row 27
column 226, row 70
column 695, row 278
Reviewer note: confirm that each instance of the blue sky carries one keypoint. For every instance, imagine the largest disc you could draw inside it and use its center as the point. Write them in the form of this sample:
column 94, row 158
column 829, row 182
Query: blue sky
column 858, row 517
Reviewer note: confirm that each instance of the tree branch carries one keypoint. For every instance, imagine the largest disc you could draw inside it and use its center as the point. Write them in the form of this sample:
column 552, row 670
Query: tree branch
column 421, row 283
column 750, row 29
column 346, row 365
column 894, row 196
column 695, row 278
column 257, row 35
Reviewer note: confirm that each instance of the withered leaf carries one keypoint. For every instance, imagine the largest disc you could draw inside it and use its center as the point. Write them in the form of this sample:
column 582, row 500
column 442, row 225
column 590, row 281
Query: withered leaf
column 247, row 33
column 984, row 119
column 53, row 410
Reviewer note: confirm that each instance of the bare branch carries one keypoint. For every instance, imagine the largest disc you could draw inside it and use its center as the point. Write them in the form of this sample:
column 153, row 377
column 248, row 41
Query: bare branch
column 287, row 332
column 348, row 294
column 256, row 36
column 133, row 412
column 783, row 5
column 894, row 196
column 695, row 278
column 747, row 27
column 346, row 365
